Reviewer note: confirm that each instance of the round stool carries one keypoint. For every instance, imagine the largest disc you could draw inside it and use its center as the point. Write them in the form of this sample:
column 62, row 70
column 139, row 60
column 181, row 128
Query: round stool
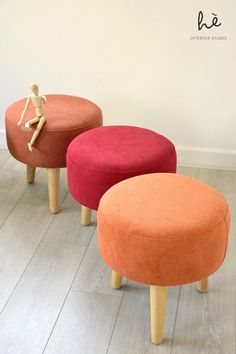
column 66, row 117
column 162, row 230
column 102, row 157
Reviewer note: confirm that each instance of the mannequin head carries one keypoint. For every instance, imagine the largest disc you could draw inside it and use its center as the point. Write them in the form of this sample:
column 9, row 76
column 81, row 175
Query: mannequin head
column 35, row 89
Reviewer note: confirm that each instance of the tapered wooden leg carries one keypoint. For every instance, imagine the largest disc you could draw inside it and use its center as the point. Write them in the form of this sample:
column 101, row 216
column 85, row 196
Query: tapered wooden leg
column 116, row 280
column 86, row 215
column 30, row 173
column 158, row 299
column 53, row 189
column 202, row 285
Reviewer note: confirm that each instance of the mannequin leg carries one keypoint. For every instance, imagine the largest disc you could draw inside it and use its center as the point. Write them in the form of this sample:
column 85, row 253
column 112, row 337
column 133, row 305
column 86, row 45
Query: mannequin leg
column 36, row 133
column 30, row 122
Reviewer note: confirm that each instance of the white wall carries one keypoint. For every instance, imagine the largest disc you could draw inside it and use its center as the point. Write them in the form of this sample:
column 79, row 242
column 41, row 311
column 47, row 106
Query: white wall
column 136, row 60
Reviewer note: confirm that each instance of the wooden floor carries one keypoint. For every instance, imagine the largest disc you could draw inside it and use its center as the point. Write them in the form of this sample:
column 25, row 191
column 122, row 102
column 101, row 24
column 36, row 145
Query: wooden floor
column 55, row 294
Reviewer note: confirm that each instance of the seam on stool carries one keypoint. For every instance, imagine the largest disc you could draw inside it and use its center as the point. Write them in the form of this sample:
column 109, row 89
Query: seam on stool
column 227, row 238
column 108, row 172
column 182, row 238
column 67, row 130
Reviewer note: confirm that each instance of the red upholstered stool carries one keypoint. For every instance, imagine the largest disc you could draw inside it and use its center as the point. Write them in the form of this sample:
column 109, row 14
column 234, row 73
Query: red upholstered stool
column 66, row 117
column 102, row 157
column 162, row 229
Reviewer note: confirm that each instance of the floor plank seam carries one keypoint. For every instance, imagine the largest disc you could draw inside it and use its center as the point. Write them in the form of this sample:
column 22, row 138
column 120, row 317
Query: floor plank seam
column 176, row 314
column 4, row 163
column 235, row 329
column 21, row 197
column 5, row 160
column 62, row 306
column 94, row 292
column 41, row 241
column 28, row 264
column 113, row 329
column 15, row 205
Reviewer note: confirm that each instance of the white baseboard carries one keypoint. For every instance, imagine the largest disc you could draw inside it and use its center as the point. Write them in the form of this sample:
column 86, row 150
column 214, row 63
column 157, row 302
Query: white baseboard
column 188, row 156
column 3, row 141
column 206, row 157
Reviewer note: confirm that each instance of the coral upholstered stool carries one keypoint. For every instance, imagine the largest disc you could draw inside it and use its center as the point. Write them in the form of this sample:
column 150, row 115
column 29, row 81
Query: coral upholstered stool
column 102, row 157
column 66, row 117
column 162, row 230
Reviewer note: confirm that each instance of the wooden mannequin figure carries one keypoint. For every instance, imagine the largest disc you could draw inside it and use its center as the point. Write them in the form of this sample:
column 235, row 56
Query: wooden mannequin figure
column 37, row 102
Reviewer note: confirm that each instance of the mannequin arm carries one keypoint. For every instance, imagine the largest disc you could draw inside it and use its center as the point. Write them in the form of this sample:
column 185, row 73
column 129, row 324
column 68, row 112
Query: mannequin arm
column 24, row 111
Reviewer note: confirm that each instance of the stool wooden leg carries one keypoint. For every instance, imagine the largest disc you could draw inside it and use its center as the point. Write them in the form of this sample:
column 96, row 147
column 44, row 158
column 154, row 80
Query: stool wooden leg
column 86, row 215
column 116, row 280
column 158, row 299
column 202, row 285
column 30, row 173
column 53, row 189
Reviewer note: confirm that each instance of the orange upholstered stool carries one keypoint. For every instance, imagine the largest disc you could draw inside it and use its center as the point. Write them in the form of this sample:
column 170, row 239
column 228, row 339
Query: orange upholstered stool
column 66, row 117
column 162, row 229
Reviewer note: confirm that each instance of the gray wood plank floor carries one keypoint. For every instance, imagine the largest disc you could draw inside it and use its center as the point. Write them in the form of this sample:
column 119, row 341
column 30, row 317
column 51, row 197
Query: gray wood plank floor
column 55, row 294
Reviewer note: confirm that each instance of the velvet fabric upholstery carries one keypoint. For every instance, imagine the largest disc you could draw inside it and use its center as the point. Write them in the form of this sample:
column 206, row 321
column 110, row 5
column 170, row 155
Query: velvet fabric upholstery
column 102, row 157
column 66, row 118
column 163, row 229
